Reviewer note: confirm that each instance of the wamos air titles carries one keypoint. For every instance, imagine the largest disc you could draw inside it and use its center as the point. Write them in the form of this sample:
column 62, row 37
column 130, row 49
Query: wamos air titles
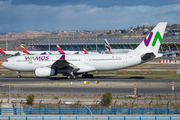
column 73, row 65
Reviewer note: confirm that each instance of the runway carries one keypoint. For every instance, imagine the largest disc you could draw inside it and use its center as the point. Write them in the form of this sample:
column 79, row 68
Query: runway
column 61, row 85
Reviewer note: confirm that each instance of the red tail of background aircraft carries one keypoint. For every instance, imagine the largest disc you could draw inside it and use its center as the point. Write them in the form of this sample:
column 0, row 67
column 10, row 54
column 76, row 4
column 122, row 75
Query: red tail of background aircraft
column 24, row 50
column 85, row 52
column 2, row 51
column 60, row 50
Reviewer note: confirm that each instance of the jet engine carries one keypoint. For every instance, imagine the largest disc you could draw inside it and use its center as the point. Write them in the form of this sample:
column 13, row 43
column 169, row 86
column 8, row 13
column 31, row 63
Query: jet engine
column 45, row 72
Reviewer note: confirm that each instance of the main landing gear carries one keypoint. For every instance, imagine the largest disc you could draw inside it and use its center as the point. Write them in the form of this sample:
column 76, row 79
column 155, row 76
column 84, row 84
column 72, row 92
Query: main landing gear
column 87, row 76
column 72, row 77
column 18, row 74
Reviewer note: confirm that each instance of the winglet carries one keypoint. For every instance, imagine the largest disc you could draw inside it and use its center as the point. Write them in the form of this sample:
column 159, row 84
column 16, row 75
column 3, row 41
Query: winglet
column 24, row 50
column 60, row 50
column 62, row 57
column 2, row 51
column 85, row 52
column 107, row 46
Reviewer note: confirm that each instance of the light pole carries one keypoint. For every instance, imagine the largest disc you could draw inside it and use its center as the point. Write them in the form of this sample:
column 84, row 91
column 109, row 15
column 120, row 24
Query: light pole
column 32, row 41
column 96, row 40
column 49, row 41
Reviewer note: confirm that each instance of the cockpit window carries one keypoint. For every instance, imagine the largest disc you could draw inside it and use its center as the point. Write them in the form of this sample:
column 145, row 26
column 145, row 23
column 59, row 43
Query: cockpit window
column 6, row 61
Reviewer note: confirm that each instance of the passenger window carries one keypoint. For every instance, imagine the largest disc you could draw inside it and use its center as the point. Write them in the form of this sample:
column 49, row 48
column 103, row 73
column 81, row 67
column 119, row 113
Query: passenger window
column 6, row 61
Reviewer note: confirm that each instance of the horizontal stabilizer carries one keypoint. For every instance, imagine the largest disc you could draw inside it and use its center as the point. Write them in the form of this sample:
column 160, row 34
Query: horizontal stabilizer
column 148, row 56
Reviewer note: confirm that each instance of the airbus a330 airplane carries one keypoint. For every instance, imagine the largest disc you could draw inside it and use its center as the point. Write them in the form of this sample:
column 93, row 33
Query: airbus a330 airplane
column 73, row 65
column 110, row 50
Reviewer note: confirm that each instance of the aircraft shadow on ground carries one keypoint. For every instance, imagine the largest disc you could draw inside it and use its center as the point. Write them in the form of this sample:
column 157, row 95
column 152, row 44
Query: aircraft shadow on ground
column 85, row 79
column 135, row 77
column 88, row 79
column 56, row 78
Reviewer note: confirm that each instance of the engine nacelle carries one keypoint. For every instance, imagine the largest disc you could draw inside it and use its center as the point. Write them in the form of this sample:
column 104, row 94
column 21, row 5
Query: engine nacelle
column 45, row 72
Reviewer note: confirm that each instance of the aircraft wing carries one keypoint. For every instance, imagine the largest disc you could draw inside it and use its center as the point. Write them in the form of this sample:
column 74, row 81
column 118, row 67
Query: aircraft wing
column 62, row 63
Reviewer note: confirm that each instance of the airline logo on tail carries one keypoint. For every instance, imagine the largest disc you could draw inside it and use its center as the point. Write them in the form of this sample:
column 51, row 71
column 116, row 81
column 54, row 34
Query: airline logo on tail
column 157, row 36
column 60, row 50
column 107, row 45
column 24, row 50
column 85, row 52
column 153, row 40
column 2, row 51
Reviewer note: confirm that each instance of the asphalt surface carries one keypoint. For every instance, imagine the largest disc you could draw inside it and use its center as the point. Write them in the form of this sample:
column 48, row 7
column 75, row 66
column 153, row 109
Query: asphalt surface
column 61, row 85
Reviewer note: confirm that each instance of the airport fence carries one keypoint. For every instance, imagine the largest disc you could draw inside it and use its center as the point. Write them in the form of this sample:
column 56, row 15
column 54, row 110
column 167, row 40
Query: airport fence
column 89, row 117
column 87, row 111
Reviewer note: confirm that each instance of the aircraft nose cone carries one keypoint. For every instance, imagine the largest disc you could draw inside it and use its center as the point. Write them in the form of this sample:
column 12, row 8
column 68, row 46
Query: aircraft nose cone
column 2, row 64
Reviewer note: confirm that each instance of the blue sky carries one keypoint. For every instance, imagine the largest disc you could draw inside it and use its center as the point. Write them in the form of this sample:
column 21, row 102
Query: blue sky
column 57, row 15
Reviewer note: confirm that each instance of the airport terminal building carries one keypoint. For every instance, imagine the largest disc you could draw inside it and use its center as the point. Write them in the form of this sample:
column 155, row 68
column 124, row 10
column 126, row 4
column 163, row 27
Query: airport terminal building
column 168, row 44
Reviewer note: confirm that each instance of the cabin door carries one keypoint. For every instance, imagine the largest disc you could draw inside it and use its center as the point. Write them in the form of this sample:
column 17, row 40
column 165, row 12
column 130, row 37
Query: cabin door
column 86, row 60
column 124, row 59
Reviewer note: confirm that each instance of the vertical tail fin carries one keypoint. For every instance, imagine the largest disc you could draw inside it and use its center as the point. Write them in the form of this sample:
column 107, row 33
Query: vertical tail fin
column 107, row 46
column 24, row 50
column 60, row 50
column 85, row 52
column 153, row 40
column 2, row 51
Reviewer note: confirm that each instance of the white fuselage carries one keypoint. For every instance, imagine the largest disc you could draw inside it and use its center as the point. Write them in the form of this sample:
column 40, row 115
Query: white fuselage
column 14, row 53
column 85, row 63
column 118, row 51
column 50, row 52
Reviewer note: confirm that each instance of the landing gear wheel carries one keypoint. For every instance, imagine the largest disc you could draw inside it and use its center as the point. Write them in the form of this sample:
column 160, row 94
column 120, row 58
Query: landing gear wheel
column 76, row 76
column 88, row 76
column 72, row 77
column 91, row 76
column 68, row 77
column 19, row 76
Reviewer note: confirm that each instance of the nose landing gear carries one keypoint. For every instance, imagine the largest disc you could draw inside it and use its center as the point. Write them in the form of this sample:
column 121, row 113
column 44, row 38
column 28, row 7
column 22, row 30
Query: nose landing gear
column 18, row 74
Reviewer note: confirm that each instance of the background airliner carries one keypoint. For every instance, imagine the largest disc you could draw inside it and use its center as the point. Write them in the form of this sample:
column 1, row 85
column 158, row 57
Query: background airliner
column 73, row 65
column 12, row 53
column 38, row 52
column 110, row 50
column 60, row 51
column 75, row 52
column 66, row 52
